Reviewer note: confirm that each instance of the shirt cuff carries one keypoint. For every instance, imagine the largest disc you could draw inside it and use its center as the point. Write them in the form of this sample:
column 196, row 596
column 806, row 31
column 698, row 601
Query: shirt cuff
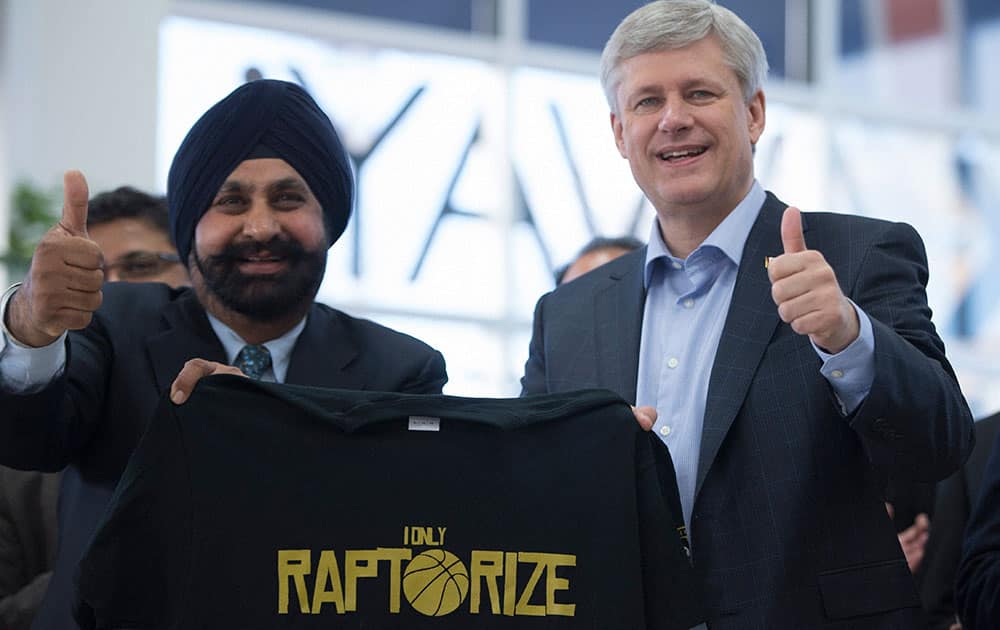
column 851, row 371
column 23, row 369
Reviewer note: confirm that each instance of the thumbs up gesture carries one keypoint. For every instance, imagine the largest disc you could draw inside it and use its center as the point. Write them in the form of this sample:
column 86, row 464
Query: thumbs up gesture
column 63, row 286
column 806, row 291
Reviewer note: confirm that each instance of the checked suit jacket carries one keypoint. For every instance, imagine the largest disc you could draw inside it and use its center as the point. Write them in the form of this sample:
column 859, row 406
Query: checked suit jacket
column 788, row 528
column 92, row 416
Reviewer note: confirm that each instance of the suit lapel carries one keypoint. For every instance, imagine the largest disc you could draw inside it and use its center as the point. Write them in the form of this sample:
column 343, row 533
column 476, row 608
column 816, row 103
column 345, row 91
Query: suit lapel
column 321, row 356
column 749, row 326
column 618, row 306
column 186, row 335
column 324, row 353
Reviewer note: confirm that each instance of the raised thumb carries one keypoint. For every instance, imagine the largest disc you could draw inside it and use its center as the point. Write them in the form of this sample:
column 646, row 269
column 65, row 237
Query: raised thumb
column 791, row 231
column 75, row 196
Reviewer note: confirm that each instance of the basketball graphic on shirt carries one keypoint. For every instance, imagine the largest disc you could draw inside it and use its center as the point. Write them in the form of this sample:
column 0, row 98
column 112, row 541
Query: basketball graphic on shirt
column 435, row 582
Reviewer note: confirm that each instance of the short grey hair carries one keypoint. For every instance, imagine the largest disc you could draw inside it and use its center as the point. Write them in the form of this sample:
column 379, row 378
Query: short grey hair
column 669, row 24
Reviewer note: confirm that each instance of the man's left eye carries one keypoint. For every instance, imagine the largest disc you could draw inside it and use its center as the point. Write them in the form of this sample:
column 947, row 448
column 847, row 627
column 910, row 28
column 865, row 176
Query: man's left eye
column 288, row 198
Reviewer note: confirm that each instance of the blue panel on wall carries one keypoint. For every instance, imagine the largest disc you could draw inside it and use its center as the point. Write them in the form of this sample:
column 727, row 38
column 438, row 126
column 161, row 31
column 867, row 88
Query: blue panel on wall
column 576, row 23
column 588, row 23
column 978, row 11
column 767, row 19
column 453, row 14
column 852, row 28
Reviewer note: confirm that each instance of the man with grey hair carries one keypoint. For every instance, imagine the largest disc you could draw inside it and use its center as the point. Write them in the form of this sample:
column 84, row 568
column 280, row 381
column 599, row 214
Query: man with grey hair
column 787, row 360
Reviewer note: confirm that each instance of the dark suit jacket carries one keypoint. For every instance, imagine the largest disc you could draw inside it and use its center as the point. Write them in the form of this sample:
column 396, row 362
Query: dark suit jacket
column 92, row 417
column 955, row 499
column 27, row 543
column 977, row 590
column 789, row 529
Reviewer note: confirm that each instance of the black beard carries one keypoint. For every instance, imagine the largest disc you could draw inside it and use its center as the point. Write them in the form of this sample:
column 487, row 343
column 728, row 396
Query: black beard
column 264, row 298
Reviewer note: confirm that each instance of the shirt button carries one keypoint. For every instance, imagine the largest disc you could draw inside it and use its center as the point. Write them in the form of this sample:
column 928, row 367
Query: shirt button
column 836, row 374
column 676, row 265
column 665, row 430
column 688, row 303
column 672, row 362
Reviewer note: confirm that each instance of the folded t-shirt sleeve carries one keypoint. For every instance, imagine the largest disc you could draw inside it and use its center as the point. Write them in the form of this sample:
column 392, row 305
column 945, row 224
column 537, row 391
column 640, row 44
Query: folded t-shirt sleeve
column 135, row 571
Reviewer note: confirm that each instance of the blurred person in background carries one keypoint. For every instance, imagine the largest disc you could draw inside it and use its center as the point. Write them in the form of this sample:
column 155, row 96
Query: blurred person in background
column 961, row 568
column 933, row 524
column 133, row 231
column 598, row 251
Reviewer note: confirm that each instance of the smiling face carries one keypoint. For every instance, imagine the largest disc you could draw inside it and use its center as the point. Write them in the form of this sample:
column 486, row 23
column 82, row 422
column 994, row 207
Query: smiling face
column 686, row 130
column 260, row 248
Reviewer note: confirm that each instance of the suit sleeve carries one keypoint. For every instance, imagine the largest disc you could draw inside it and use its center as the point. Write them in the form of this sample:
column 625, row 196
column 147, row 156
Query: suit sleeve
column 977, row 590
column 44, row 430
column 533, row 381
column 915, row 423
column 430, row 378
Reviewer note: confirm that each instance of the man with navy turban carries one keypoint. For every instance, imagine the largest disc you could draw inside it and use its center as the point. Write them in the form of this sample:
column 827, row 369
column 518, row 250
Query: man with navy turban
column 258, row 191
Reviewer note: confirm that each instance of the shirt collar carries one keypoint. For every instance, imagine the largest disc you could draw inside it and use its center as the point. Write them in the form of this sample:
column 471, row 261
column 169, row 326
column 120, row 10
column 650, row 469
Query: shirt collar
column 280, row 348
column 730, row 236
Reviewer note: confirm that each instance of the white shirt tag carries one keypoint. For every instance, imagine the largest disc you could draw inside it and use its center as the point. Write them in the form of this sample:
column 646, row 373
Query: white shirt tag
column 424, row 423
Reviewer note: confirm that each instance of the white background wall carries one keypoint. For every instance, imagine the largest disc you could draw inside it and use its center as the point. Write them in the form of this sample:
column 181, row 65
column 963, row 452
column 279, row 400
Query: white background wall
column 78, row 89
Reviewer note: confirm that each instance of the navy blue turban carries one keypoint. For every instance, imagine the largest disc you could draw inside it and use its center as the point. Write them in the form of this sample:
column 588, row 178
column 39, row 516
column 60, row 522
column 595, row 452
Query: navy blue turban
column 264, row 118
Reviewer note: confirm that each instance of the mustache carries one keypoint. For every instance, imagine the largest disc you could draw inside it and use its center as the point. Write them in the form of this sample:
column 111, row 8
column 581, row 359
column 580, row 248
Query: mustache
column 278, row 247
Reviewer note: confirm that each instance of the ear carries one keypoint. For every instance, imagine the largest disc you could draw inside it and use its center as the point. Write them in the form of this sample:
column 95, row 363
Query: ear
column 616, row 127
column 756, row 116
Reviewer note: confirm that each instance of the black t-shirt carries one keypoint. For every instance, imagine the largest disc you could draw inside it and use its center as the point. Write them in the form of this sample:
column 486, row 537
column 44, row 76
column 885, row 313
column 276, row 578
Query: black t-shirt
column 257, row 505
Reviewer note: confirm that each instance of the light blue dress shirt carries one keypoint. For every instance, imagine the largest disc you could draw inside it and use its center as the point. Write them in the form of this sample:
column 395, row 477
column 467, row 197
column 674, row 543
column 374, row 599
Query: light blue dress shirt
column 687, row 301
column 280, row 348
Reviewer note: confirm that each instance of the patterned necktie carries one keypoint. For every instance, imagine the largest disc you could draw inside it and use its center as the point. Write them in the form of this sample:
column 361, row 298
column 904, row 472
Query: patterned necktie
column 253, row 361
